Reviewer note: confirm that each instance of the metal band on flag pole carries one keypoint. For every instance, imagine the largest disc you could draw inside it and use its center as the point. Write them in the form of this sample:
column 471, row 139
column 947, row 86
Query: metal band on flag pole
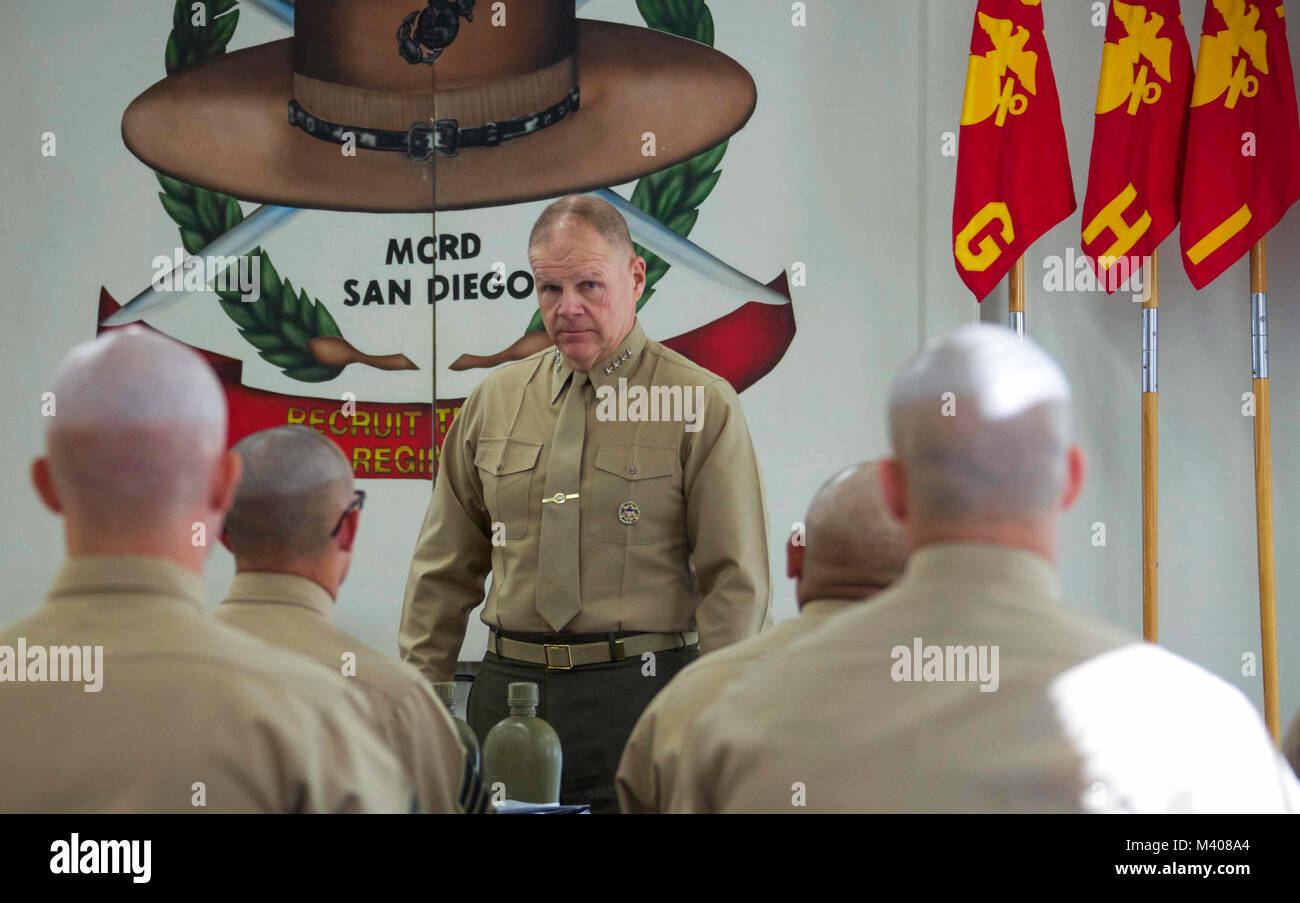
column 1264, row 484
column 1150, row 452
column 1016, row 297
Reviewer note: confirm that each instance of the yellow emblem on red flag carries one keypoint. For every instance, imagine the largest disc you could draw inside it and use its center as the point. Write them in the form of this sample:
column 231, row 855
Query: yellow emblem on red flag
column 1013, row 171
column 1139, row 138
column 1243, row 154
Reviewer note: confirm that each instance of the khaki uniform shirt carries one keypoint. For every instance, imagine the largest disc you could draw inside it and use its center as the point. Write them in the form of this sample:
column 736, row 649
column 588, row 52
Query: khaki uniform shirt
column 646, row 772
column 295, row 613
column 1080, row 717
column 1291, row 744
column 695, row 558
column 184, row 702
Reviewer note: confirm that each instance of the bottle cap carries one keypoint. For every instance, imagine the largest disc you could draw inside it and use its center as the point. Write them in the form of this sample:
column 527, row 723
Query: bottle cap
column 522, row 693
column 446, row 691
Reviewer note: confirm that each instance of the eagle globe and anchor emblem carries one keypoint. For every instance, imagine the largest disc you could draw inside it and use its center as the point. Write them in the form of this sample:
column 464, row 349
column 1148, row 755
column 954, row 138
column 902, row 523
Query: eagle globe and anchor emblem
column 629, row 513
column 425, row 33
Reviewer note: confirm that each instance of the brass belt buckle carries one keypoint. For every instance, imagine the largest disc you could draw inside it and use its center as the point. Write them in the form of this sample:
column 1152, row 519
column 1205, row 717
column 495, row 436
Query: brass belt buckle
column 568, row 654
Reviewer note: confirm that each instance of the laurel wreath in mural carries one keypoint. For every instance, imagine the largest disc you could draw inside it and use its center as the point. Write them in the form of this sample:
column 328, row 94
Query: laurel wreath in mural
column 282, row 322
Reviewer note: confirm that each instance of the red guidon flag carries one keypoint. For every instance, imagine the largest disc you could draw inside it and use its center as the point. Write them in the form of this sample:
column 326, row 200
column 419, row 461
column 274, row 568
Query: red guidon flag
column 1243, row 151
column 1135, row 178
column 1013, row 171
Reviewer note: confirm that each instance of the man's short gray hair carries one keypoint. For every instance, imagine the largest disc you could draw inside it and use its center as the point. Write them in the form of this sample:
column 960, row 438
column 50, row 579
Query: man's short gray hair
column 600, row 215
column 852, row 539
column 980, row 421
column 295, row 486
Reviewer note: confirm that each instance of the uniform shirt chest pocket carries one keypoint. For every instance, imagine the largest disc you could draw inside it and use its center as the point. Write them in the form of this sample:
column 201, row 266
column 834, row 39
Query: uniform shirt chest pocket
column 636, row 495
column 506, row 468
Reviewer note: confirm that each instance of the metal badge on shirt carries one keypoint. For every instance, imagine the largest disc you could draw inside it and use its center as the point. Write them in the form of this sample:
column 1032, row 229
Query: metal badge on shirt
column 629, row 512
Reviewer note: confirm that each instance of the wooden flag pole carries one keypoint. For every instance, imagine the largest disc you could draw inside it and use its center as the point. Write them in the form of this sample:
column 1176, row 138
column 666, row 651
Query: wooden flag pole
column 1016, row 298
column 1264, row 484
column 1150, row 453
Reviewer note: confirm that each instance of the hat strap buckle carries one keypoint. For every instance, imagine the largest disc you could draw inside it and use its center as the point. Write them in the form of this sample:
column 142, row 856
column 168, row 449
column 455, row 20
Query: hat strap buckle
column 424, row 140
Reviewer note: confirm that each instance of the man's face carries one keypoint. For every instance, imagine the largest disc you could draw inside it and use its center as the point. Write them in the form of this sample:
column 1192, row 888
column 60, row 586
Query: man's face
column 586, row 289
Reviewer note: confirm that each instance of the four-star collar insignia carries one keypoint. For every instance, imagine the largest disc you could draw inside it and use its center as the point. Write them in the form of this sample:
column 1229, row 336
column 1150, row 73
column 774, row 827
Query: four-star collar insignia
column 618, row 361
column 613, row 365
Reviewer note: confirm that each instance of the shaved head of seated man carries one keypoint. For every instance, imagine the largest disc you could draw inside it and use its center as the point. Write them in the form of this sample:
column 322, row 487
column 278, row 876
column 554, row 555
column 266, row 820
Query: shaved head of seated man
column 848, row 549
column 292, row 529
column 142, row 703
column 970, row 685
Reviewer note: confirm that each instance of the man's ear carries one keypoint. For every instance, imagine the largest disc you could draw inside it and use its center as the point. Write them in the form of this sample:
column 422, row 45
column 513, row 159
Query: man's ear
column 225, row 481
column 638, row 277
column 794, row 556
column 347, row 534
column 44, row 485
column 893, row 486
column 1074, row 473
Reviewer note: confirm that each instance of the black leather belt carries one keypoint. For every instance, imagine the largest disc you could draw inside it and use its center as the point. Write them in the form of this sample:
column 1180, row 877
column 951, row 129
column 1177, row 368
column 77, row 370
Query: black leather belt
column 567, row 656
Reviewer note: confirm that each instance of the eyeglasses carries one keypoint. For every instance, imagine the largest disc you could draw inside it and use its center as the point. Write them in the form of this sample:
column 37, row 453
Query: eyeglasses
column 358, row 502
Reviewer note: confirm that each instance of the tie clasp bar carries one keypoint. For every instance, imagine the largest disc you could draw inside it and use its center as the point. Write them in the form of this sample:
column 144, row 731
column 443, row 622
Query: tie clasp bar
column 559, row 498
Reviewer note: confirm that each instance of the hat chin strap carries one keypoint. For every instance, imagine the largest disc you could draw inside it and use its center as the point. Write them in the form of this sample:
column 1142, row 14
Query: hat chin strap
column 444, row 137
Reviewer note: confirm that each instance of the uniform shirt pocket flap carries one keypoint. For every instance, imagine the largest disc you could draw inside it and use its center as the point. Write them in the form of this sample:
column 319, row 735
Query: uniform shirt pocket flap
column 506, row 456
column 637, row 462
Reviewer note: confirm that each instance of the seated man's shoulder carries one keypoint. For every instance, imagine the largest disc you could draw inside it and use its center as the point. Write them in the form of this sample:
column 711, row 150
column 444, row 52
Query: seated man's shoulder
column 771, row 680
column 1099, row 632
column 1159, row 670
column 385, row 675
column 31, row 623
column 1142, row 693
column 251, row 660
column 707, row 673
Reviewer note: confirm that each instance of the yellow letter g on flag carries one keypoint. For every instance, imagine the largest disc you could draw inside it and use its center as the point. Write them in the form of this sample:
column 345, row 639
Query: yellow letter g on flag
column 989, row 250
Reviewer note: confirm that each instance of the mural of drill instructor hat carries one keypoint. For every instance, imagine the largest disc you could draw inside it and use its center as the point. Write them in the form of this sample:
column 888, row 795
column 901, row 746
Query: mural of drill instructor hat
column 448, row 110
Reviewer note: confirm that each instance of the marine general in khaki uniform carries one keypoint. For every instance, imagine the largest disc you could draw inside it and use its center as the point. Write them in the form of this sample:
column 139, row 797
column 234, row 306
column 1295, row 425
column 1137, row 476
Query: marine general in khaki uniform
column 608, row 535
column 848, row 549
column 133, row 699
column 970, row 685
column 292, row 529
